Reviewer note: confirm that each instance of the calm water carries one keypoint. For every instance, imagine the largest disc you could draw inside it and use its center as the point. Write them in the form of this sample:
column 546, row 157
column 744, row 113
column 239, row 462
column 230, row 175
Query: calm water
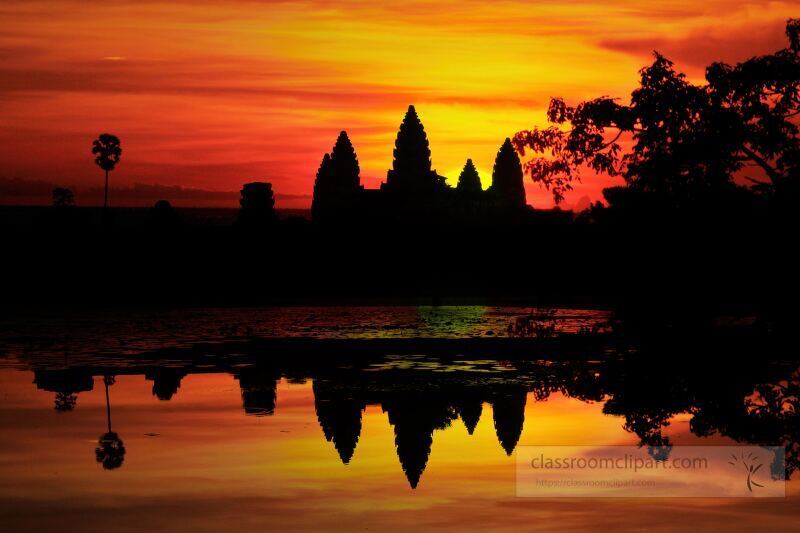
column 189, row 421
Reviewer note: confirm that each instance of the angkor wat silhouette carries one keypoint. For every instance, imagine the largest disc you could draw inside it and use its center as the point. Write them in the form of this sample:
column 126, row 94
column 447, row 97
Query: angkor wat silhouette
column 412, row 188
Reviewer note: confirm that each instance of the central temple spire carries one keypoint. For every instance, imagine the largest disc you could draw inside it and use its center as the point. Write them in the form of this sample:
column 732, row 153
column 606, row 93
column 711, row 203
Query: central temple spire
column 412, row 154
column 411, row 168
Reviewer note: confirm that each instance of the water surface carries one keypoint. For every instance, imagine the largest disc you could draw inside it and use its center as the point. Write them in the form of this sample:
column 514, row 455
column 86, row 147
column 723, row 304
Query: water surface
column 152, row 432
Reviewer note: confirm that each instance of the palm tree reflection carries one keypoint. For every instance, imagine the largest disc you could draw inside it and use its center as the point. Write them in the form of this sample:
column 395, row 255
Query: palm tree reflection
column 110, row 451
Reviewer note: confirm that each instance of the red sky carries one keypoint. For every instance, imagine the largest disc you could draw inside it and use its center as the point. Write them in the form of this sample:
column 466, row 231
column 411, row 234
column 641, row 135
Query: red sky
column 209, row 95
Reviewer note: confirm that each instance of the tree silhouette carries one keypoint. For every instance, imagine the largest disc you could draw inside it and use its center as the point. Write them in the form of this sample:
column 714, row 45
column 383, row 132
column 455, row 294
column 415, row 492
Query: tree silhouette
column 761, row 95
column 63, row 197
column 688, row 140
column 107, row 151
column 110, row 451
column 66, row 384
column 411, row 168
column 66, row 401
column 767, row 415
column 469, row 182
column 507, row 185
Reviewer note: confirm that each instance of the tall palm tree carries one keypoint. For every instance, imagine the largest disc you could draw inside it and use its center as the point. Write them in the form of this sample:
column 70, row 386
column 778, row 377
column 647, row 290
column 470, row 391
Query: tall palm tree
column 110, row 451
column 107, row 150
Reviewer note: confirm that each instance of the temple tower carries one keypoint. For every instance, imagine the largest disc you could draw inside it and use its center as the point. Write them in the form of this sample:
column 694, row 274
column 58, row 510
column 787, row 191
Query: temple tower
column 411, row 169
column 507, row 186
column 338, row 181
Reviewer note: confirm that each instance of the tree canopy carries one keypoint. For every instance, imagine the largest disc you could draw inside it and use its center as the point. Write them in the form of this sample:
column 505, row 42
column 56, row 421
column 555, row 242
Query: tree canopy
column 63, row 197
column 107, row 151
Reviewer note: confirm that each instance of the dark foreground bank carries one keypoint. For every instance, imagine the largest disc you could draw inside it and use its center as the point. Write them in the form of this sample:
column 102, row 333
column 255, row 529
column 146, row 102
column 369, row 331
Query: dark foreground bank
column 684, row 270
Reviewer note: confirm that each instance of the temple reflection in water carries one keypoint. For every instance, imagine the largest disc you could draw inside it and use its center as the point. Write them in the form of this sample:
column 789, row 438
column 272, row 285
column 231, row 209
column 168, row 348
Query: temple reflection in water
column 756, row 403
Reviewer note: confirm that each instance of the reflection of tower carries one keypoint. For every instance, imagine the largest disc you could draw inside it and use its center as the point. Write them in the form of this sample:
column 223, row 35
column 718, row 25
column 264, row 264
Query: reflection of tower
column 509, row 414
column 65, row 383
column 469, row 408
column 166, row 381
column 339, row 416
column 259, row 387
column 414, row 418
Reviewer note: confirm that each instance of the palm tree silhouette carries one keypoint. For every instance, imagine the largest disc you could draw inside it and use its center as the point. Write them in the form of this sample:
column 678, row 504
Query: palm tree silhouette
column 110, row 451
column 107, row 150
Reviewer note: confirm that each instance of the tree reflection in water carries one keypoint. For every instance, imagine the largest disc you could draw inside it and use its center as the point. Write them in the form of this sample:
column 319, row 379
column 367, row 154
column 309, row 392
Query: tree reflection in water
column 110, row 451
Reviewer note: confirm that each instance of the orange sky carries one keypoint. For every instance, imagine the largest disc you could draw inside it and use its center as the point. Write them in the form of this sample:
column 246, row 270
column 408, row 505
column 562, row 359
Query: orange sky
column 210, row 94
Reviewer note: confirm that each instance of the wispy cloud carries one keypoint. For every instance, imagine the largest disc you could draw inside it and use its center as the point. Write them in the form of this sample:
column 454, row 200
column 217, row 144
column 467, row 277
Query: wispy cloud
column 701, row 47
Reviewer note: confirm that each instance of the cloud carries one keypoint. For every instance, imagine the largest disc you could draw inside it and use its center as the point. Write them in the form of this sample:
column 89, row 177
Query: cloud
column 699, row 48
column 232, row 78
column 11, row 52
